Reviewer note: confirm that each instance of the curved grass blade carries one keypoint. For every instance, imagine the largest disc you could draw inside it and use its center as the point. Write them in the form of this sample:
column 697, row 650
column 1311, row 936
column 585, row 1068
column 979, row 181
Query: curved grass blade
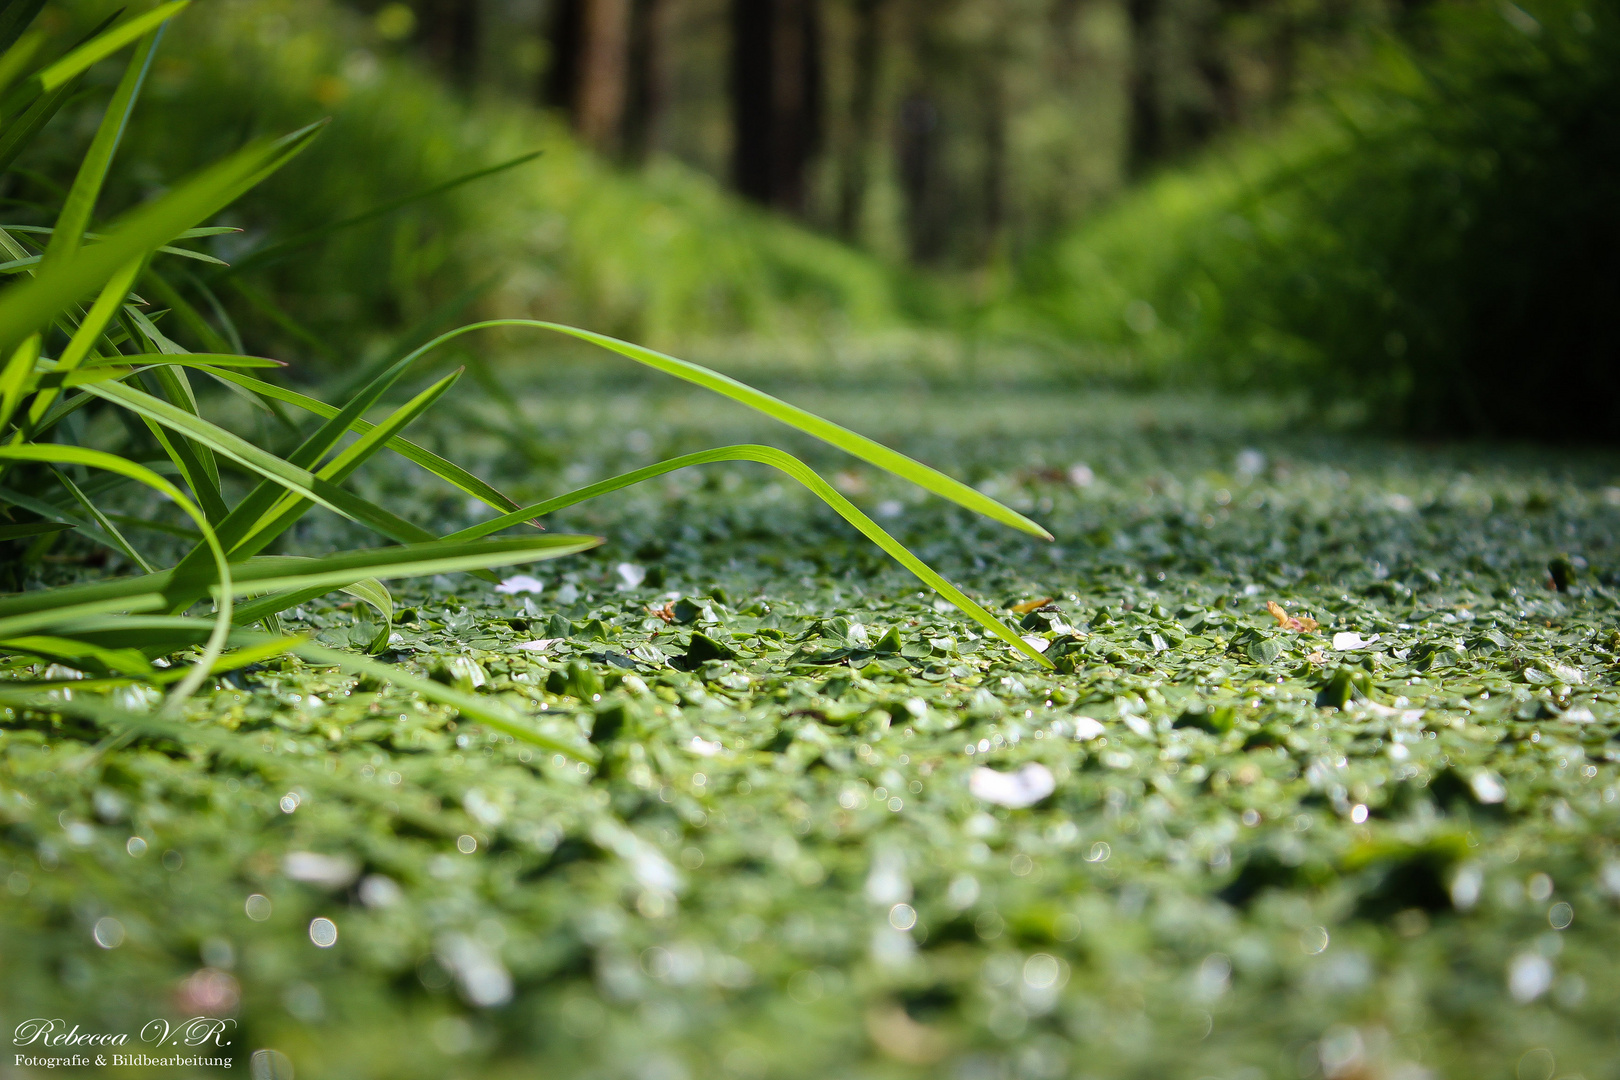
column 282, row 516
column 850, row 442
column 445, row 470
column 798, row 470
column 277, row 471
column 96, row 459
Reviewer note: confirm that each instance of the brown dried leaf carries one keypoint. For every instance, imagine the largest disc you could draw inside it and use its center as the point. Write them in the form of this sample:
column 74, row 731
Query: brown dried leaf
column 1298, row 624
column 1031, row 605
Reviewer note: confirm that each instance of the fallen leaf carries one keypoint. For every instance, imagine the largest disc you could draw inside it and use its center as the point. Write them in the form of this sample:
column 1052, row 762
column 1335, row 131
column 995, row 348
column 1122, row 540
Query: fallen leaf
column 1317, row 657
column 1031, row 605
column 1285, row 621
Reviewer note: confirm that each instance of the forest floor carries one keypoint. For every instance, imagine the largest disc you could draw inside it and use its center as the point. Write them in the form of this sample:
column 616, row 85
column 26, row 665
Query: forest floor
column 834, row 831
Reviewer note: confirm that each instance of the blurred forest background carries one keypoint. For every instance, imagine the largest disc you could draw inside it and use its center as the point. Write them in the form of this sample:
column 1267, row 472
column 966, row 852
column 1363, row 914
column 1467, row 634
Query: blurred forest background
column 1403, row 210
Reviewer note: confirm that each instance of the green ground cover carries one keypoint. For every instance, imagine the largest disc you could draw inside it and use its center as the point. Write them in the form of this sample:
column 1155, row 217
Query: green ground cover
column 1249, row 851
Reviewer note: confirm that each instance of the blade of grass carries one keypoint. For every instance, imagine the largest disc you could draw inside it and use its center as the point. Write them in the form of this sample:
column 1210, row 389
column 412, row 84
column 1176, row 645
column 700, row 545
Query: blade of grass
column 80, row 204
column 28, row 622
column 445, row 470
column 33, row 528
column 101, row 519
column 96, row 459
column 792, row 466
column 105, row 44
column 277, row 471
column 850, row 442
column 282, row 516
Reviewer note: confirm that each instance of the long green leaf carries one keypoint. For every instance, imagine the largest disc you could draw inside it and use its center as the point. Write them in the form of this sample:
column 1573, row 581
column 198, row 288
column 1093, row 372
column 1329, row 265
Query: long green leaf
column 792, row 466
column 27, row 623
column 32, row 305
column 281, row 517
column 33, row 528
column 105, row 44
column 229, row 445
column 279, row 574
column 850, row 442
column 445, row 470
column 80, row 204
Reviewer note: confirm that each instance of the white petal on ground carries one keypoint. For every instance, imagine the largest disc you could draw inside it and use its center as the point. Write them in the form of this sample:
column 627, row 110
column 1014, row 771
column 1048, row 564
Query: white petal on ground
column 539, row 644
column 480, row 975
column 326, row 871
column 704, row 748
column 1349, row 639
column 1085, row 728
column 522, row 583
column 631, row 575
column 1039, row 644
column 1026, row 787
column 1487, row 787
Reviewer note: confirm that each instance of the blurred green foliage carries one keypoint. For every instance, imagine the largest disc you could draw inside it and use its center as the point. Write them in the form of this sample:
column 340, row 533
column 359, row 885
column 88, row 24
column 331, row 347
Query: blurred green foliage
column 1431, row 249
column 663, row 256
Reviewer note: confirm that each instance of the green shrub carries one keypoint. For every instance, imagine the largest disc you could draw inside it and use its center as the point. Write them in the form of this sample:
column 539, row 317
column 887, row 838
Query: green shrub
column 1437, row 247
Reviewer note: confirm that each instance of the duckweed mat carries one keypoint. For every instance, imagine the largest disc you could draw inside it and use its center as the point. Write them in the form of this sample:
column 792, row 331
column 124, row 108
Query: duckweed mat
column 1323, row 781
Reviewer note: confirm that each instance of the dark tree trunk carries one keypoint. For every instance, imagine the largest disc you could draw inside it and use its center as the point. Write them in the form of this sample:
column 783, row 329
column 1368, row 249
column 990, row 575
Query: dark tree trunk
column 564, row 31
column 603, row 73
column 648, row 93
column 449, row 31
column 776, row 98
column 1146, row 136
column 994, row 193
column 863, row 110
column 917, row 150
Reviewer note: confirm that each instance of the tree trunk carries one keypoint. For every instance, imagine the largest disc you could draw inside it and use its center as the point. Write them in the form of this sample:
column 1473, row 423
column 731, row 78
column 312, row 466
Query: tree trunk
column 450, row 30
column 648, row 78
column 603, row 73
column 863, row 110
column 776, row 98
column 921, row 181
column 564, row 30
column 1146, row 136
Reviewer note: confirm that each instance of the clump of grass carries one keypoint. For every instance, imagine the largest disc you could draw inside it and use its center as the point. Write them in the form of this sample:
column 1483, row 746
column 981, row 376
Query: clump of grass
column 1433, row 247
column 72, row 364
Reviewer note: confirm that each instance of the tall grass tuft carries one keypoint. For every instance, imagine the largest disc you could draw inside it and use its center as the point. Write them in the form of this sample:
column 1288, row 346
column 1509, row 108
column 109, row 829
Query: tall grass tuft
column 79, row 340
